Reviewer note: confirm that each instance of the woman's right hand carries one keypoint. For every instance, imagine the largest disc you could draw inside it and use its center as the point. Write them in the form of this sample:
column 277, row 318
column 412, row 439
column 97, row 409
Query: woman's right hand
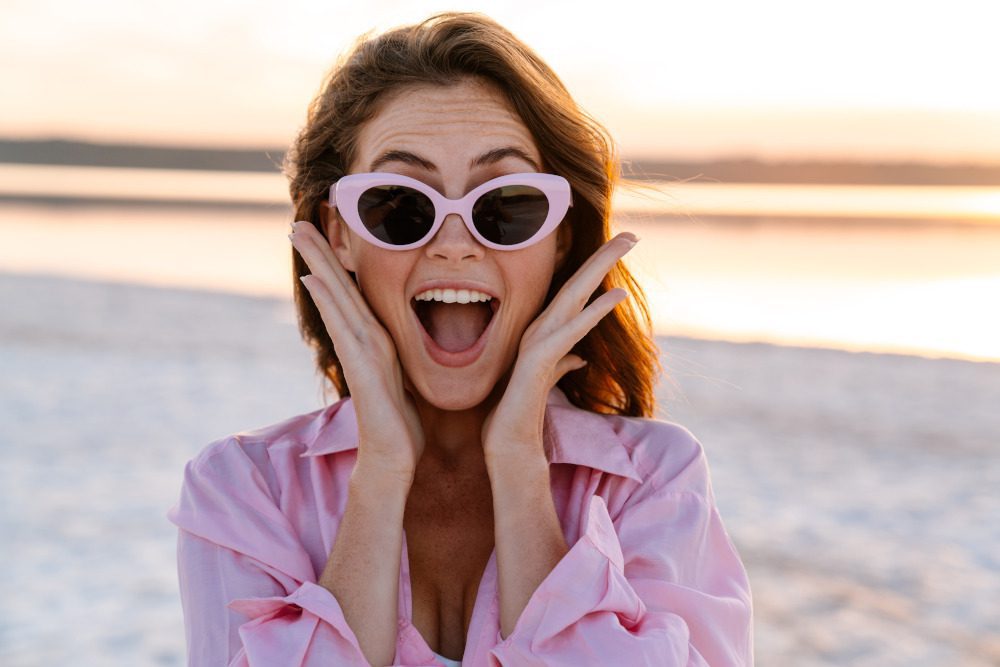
column 391, row 439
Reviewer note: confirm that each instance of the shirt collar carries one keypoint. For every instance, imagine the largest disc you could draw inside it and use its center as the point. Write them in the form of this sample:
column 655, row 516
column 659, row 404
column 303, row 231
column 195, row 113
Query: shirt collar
column 571, row 435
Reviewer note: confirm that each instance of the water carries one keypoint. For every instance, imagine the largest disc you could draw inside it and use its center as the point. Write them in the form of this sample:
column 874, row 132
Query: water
column 978, row 204
column 928, row 290
column 878, row 268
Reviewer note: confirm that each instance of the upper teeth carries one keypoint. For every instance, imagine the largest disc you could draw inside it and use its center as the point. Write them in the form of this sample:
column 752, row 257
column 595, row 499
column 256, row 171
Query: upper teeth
column 453, row 295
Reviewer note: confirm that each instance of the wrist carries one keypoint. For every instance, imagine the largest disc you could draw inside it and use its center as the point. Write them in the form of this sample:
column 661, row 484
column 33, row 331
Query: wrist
column 370, row 479
column 517, row 465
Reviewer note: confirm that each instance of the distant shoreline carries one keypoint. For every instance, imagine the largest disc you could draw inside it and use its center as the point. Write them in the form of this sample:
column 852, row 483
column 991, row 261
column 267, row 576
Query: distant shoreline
column 733, row 170
column 57, row 202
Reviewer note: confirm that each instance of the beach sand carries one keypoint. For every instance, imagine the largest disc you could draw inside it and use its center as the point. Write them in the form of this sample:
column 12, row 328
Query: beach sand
column 861, row 489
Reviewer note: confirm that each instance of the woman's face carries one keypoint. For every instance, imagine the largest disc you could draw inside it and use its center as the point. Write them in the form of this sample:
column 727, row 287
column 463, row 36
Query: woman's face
column 453, row 138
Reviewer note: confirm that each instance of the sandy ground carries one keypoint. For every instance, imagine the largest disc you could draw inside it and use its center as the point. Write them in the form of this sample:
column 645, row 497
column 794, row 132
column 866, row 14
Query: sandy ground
column 861, row 489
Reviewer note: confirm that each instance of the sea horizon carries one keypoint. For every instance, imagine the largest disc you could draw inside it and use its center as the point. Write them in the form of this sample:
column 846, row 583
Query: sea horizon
column 735, row 167
column 898, row 268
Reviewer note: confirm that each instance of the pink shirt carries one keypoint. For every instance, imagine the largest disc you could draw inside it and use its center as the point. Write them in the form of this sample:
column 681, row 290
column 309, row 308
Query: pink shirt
column 651, row 577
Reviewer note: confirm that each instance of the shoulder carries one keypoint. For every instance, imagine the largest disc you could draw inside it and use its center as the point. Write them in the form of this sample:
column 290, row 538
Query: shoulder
column 248, row 473
column 257, row 451
column 666, row 455
column 241, row 492
column 661, row 456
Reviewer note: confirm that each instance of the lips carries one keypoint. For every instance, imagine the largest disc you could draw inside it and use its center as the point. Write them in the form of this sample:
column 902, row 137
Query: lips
column 455, row 322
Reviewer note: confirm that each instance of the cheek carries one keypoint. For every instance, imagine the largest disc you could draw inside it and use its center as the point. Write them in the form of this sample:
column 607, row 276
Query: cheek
column 530, row 280
column 381, row 276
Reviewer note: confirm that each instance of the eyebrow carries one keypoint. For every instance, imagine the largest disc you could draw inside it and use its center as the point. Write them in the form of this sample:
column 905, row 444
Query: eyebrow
column 498, row 154
column 401, row 156
column 489, row 157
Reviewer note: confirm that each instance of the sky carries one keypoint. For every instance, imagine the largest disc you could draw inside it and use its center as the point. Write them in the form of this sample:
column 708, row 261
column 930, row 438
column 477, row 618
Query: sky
column 875, row 79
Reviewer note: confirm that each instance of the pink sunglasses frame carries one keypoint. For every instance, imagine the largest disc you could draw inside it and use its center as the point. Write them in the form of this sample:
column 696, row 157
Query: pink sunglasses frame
column 345, row 193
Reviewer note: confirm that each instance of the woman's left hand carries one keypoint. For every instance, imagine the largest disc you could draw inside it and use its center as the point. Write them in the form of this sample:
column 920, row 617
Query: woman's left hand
column 514, row 427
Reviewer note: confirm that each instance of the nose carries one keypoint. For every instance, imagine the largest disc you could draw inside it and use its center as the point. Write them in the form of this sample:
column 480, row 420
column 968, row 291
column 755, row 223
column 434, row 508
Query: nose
column 454, row 242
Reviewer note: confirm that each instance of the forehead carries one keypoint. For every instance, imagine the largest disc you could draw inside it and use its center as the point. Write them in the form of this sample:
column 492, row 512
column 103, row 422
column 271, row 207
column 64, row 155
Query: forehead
column 445, row 125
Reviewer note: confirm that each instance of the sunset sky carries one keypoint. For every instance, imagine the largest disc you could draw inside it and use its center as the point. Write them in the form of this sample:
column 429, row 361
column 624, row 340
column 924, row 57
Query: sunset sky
column 880, row 79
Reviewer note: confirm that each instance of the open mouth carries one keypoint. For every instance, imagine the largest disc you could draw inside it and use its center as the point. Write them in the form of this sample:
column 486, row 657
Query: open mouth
column 455, row 319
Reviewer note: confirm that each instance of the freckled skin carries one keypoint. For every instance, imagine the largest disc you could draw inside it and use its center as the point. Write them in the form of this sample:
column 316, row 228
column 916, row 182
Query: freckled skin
column 449, row 127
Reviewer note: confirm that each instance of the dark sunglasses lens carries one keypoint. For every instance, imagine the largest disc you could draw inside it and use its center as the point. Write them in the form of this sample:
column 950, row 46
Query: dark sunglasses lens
column 396, row 214
column 511, row 214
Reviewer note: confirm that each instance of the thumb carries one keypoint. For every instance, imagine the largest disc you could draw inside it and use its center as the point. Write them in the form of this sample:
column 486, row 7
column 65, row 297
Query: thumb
column 571, row 362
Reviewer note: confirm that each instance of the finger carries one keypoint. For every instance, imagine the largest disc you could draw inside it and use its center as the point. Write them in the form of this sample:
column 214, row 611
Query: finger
column 573, row 295
column 570, row 362
column 597, row 265
column 321, row 259
column 323, row 263
column 333, row 317
column 530, row 383
column 309, row 231
column 354, row 345
column 564, row 337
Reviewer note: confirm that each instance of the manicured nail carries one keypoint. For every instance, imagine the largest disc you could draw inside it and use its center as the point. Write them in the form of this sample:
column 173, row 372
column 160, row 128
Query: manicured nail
column 290, row 237
column 630, row 237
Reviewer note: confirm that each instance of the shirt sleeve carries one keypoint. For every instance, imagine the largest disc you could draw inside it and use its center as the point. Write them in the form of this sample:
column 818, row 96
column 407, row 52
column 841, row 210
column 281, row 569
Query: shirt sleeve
column 663, row 587
column 246, row 601
column 236, row 613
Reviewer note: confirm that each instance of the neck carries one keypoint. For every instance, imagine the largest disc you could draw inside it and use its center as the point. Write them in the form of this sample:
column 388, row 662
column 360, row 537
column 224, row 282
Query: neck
column 453, row 437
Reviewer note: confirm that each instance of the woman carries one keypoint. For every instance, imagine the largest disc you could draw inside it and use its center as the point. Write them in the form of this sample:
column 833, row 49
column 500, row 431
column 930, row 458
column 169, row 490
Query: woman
column 488, row 490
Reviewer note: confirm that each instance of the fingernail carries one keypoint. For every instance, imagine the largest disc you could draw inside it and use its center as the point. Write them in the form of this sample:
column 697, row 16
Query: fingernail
column 290, row 237
column 630, row 237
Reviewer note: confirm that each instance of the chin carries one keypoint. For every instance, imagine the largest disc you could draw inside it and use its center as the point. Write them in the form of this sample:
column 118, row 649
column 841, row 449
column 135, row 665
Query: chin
column 456, row 394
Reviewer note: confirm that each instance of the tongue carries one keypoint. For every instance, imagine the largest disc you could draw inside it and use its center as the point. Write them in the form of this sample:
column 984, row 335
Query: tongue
column 457, row 326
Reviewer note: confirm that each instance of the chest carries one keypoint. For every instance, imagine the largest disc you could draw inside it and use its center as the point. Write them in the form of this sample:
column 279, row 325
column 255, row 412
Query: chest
column 448, row 548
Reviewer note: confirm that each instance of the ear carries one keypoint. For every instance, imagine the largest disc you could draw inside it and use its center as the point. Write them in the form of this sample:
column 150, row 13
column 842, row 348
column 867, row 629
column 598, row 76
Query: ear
column 339, row 235
column 564, row 241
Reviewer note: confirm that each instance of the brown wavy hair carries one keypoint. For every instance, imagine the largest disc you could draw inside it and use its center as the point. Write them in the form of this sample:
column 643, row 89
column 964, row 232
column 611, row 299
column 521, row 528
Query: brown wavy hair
column 622, row 359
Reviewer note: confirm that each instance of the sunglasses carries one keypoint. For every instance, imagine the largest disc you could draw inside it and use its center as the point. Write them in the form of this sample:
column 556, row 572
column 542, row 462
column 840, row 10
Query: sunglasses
column 396, row 212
